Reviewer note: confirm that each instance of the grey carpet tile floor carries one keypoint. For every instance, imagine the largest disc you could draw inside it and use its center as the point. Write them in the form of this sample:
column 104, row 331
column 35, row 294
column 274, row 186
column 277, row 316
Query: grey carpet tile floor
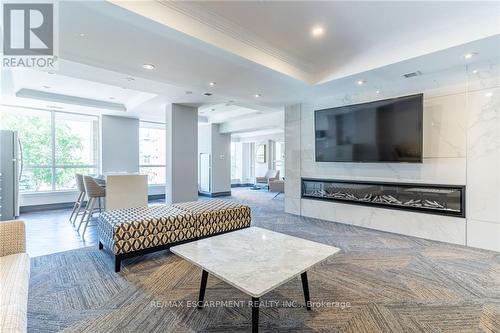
column 380, row 282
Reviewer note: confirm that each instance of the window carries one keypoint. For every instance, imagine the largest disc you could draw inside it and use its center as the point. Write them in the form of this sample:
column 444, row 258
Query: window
column 236, row 162
column 54, row 146
column 76, row 148
column 152, row 150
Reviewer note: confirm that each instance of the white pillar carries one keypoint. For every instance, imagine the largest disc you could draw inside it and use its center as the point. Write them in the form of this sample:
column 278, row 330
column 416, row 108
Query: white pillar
column 182, row 153
column 119, row 144
column 293, row 158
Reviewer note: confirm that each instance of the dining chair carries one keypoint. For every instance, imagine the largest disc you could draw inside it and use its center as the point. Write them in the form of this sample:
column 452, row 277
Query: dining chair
column 94, row 193
column 80, row 199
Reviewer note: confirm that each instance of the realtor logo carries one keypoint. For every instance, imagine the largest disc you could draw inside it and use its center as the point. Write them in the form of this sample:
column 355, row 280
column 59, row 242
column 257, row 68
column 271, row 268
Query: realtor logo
column 28, row 35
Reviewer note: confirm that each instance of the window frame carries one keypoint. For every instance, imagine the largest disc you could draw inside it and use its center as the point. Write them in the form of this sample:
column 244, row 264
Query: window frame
column 155, row 125
column 53, row 166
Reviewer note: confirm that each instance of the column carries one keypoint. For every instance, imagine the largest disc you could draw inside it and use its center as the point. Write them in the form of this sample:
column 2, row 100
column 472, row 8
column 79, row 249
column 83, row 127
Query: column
column 182, row 153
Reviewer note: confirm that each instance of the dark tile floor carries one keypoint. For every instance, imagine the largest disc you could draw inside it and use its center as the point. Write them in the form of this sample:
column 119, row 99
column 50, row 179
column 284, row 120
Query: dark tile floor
column 50, row 231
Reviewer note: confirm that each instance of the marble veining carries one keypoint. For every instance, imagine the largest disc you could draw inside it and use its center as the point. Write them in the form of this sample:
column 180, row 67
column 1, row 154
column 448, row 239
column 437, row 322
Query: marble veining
column 255, row 260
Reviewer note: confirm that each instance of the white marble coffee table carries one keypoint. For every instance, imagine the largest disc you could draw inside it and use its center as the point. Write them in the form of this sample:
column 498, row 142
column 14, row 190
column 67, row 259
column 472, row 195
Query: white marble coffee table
column 255, row 261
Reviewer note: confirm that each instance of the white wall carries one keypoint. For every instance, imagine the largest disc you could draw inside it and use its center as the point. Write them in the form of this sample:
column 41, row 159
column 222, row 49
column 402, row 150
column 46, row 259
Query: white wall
column 461, row 147
column 218, row 145
column 221, row 161
column 119, row 144
column 182, row 153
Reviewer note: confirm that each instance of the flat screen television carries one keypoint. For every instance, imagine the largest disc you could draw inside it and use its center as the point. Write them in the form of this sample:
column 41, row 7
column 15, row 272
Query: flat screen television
column 388, row 130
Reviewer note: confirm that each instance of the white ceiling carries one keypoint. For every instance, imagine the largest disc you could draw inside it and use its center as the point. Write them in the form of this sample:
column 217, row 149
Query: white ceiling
column 201, row 43
column 359, row 36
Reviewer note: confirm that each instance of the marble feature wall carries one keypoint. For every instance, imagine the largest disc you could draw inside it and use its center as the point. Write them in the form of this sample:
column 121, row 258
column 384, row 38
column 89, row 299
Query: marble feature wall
column 461, row 147
column 293, row 159
column 483, row 169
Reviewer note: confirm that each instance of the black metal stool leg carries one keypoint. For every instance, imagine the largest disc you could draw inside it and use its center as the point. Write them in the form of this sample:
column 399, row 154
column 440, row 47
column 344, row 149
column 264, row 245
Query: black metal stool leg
column 305, row 287
column 255, row 314
column 203, row 286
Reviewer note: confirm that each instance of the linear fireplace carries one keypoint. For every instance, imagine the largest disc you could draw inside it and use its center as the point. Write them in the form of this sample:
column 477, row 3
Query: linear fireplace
column 425, row 198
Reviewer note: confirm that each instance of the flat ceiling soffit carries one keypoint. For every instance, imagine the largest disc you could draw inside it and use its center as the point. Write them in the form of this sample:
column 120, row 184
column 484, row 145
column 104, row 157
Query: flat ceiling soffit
column 211, row 28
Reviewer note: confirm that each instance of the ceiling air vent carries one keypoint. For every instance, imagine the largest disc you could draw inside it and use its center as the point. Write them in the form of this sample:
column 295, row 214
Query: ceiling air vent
column 412, row 74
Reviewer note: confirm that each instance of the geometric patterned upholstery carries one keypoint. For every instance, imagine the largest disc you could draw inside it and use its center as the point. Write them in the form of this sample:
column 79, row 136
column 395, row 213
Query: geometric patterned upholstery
column 216, row 216
column 134, row 229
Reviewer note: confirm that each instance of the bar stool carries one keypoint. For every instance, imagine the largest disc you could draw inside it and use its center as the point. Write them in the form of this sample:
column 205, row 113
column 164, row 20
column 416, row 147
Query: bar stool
column 80, row 200
column 94, row 193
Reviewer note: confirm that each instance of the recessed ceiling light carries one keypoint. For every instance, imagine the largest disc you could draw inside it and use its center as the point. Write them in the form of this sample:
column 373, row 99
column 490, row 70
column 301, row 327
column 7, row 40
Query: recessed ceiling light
column 257, row 95
column 360, row 82
column 211, row 84
column 469, row 55
column 83, row 35
column 317, row 31
column 148, row 66
column 377, row 92
column 475, row 71
column 488, row 94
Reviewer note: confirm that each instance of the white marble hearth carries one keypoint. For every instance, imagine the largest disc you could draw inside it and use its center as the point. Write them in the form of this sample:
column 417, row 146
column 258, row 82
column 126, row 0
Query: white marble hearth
column 429, row 226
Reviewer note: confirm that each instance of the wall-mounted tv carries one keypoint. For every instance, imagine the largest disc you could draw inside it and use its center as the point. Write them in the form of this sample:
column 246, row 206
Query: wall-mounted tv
column 388, row 130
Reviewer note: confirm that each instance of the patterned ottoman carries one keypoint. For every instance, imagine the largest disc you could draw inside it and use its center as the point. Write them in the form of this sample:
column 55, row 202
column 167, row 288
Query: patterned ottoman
column 217, row 216
column 125, row 231
column 136, row 231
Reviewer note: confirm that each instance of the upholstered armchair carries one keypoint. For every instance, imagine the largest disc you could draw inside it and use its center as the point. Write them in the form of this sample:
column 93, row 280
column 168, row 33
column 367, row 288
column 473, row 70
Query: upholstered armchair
column 270, row 175
column 14, row 277
column 277, row 186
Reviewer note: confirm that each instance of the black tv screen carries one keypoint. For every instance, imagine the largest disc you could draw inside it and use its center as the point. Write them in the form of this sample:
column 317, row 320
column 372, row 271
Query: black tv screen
column 382, row 131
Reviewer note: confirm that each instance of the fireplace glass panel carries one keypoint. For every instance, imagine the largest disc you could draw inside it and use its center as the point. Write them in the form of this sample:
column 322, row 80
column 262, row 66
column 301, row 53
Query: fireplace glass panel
column 440, row 199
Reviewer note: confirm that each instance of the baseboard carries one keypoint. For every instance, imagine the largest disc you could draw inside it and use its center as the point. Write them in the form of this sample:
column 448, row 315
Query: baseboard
column 156, row 196
column 242, row 185
column 40, row 208
column 215, row 194
column 66, row 205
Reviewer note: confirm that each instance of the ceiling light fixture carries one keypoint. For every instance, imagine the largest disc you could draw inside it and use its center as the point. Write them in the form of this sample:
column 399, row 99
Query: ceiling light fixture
column 211, row 84
column 488, row 94
column 475, row 71
column 257, row 95
column 377, row 92
column 148, row 66
column 469, row 55
column 83, row 35
column 360, row 82
column 317, row 31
